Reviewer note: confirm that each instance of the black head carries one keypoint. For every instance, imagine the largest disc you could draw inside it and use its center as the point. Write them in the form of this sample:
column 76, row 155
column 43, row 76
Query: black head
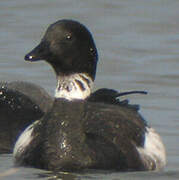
column 69, row 47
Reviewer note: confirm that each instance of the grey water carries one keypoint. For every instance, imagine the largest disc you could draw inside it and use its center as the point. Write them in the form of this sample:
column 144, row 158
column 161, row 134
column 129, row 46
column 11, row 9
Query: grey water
column 138, row 44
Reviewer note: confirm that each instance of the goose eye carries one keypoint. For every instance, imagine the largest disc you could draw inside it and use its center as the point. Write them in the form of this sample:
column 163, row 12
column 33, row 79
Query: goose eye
column 68, row 37
column 91, row 49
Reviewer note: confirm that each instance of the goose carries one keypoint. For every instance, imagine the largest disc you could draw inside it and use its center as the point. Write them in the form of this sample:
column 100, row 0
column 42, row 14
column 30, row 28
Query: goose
column 78, row 133
column 21, row 103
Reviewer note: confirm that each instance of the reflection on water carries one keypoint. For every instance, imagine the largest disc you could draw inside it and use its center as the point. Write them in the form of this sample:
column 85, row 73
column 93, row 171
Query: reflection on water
column 138, row 45
column 95, row 175
column 57, row 176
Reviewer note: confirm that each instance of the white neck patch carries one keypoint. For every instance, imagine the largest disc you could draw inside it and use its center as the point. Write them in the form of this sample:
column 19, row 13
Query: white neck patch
column 75, row 86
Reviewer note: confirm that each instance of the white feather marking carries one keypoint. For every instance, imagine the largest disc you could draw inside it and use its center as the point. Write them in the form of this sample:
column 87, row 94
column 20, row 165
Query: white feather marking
column 153, row 151
column 24, row 140
column 68, row 88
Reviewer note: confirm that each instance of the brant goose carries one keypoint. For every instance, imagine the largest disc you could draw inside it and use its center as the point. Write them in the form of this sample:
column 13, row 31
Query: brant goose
column 21, row 103
column 78, row 133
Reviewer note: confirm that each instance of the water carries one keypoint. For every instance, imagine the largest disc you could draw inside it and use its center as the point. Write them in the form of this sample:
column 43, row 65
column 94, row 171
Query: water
column 138, row 43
